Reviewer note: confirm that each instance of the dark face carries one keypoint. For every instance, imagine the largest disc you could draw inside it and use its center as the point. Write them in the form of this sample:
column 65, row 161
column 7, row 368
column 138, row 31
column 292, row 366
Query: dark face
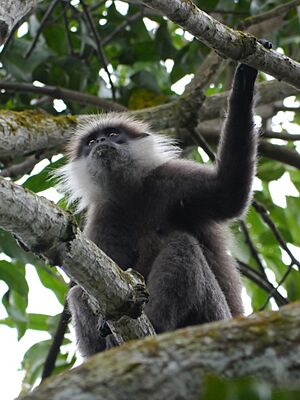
column 108, row 153
column 104, row 140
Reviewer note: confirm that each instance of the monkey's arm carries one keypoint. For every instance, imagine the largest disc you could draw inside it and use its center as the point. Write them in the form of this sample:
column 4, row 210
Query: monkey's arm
column 236, row 157
column 224, row 190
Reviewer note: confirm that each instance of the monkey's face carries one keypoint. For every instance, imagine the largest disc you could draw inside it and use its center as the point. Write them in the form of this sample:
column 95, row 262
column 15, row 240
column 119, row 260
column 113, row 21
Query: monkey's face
column 108, row 152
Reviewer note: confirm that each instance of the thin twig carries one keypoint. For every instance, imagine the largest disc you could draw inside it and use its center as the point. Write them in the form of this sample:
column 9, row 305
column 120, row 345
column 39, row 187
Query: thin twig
column 15, row 171
column 280, row 135
column 66, row 23
column 98, row 5
column 9, row 38
column 60, row 93
column 262, row 282
column 41, row 27
column 263, row 212
column 200, row 141
column 279, row 11
column 100, row 51
column 121, row 27
column 252, row 247
column 285, row 275
column 58, row 338
column 284, row 108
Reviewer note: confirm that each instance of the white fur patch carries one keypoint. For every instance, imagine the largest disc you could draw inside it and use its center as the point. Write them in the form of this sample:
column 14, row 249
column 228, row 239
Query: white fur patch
column 76, row 184
column 148, row 153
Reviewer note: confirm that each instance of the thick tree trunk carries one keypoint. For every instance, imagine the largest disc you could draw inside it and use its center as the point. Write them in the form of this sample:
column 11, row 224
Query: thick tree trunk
column 173, row 365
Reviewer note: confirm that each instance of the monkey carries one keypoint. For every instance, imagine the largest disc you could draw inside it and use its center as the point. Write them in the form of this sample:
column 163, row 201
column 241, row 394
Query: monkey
column 163, row 216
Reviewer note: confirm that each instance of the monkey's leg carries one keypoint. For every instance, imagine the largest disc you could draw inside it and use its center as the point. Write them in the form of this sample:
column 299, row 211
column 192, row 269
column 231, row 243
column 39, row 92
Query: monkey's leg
column 183, row 289
column 86, row 323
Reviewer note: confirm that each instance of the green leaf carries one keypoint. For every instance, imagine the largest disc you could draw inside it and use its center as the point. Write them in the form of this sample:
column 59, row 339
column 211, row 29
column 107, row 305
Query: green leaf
column 164, row 42
column 38, row 322
column 292, row 285
column 56, row 38
column 145, row 80
column 52, row 280
column 293, row 218
column 13, row 274
column 43, row 180
column 10, row 247
column 15, row 62
column 34, row 359
column 15, row 306
column 270, row 170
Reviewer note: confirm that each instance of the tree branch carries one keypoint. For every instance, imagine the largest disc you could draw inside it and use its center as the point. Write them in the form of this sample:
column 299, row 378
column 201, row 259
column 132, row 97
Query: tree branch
column 228, row 42
column 262, row 282
column 264, row 214
column 44, row 20
column 11, row 13
column 27, row 132
column 64, row 94
column 174, row 365
column 279, row 11
column 48, row 231
column 267, row 92
column 100, row 51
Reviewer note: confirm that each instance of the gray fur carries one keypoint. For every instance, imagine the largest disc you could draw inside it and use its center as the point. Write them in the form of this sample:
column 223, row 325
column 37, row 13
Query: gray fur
column 163, row 216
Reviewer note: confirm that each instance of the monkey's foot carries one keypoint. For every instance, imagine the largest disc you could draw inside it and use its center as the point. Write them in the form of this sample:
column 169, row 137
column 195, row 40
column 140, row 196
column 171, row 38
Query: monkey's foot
column 134, row 306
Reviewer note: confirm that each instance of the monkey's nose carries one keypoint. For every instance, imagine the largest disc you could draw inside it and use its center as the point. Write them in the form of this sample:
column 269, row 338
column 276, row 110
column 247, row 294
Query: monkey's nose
column 101, row 139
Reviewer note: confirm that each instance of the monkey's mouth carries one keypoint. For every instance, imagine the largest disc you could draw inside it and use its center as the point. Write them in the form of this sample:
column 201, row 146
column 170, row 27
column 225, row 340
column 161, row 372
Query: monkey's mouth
column 103, row 151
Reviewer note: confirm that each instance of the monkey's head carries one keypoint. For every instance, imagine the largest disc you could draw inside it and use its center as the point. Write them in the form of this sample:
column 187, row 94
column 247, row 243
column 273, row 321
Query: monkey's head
column 107, row 151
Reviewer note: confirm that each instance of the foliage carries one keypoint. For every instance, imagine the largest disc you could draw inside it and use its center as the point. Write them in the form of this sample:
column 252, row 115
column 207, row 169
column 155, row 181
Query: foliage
column 145, row 59
column 246, row 389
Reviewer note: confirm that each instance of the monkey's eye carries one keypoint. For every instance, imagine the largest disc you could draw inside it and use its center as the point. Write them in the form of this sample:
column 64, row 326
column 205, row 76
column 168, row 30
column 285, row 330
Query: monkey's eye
column 113, row 134
column 91, row 142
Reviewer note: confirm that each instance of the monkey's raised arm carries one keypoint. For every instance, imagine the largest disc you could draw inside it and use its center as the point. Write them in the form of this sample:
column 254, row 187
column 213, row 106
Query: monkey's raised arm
column 236, row 157
column 223, row 191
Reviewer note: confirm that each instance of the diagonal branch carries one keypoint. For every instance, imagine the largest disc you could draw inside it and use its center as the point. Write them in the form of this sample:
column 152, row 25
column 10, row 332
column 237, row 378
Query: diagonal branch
column 227, row 42
column 48, row 231
column 100, row 51
column 262, row 282
column 279, row 11
column 41, row 27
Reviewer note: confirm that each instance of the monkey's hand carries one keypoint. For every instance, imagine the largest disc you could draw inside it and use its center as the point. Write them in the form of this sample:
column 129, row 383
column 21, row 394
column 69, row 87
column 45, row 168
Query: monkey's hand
column 139, row 296
column 245, row 76
column 267, row 45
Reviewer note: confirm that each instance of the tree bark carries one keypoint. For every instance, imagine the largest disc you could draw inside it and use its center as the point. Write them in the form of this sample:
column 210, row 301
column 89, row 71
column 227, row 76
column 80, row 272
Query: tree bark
column 227, row 42
column 11, row 13
column 44, row 229
column 173, row 365
column 27, row 132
